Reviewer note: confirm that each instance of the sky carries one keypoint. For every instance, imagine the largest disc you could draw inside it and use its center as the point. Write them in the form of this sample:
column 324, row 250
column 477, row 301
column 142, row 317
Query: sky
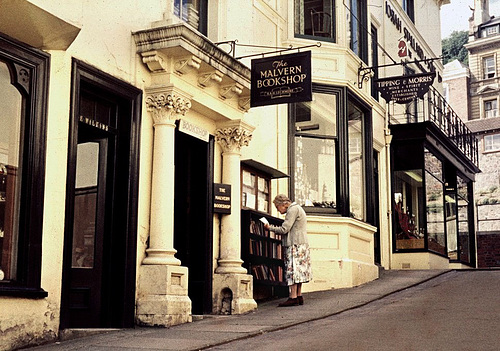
column 455, row 16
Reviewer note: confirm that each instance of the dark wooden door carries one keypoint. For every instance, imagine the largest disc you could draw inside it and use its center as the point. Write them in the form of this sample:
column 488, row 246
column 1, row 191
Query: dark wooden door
column 90, row 226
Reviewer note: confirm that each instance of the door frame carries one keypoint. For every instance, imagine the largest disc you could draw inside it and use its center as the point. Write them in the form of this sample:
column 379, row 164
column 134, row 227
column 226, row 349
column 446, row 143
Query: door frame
column 130, row 100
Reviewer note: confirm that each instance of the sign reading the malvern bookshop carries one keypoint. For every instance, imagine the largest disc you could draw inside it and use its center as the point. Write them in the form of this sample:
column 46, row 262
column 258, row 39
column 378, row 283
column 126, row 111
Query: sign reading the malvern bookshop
column 222, row 198
column 281, row 79
column 404, row 89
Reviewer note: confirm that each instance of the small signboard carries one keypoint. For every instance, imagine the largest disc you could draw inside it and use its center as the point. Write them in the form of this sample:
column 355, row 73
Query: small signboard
column 194, row 130
column 404, row 89
column 222, row 198
column 281, row 79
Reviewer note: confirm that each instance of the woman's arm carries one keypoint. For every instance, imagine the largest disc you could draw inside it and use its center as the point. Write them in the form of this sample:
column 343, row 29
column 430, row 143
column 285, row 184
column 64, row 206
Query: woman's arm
column 284, row 228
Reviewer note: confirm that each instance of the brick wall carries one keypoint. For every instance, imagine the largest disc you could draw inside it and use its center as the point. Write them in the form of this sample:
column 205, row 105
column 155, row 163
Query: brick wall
column 488, row 249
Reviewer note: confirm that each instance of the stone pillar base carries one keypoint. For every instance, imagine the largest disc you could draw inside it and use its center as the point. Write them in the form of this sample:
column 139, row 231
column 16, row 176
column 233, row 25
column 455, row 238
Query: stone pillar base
column 233, row 293
column 163, row 296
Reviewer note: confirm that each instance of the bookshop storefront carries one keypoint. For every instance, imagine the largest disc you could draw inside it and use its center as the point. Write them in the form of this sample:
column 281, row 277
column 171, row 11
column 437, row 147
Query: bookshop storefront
column 330, row 156
column 432, row 182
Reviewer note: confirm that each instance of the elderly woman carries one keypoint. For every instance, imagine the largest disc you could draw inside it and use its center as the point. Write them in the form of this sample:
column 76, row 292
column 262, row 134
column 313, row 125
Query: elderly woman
column 297, row 257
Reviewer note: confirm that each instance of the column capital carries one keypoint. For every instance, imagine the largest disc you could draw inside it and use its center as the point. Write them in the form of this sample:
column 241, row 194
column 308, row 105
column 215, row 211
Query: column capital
column 167, row 104
column 233, row 135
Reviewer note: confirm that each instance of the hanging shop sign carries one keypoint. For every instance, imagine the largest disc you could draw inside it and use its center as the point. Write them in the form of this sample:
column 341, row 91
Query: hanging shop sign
column 404, row 89
column 193, row 130
column 222, row 198
column 281, row 79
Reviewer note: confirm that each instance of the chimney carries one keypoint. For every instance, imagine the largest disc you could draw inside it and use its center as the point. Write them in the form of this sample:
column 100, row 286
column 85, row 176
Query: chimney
column 481, row 12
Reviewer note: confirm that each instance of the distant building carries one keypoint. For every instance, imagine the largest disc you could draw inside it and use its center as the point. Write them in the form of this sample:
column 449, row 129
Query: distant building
column 484, row 122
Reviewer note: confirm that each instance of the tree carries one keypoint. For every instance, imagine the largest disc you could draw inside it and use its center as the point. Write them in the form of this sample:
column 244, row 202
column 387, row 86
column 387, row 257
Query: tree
column 453, row 47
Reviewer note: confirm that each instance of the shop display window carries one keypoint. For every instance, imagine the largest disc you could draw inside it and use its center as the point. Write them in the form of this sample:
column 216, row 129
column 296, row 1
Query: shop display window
column 409, row 209
column 23, row 86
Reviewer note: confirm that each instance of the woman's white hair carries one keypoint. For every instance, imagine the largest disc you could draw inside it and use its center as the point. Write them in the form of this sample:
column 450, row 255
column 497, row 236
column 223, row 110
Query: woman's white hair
column 281, row 199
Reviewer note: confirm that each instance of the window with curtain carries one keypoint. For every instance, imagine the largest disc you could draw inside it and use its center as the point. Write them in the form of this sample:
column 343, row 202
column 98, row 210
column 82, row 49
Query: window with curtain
column 490, row 108
column 315, row 19
column 409, row 8
column 193, row 12
column 489, row 67
column 357, row 28
column 23, row 82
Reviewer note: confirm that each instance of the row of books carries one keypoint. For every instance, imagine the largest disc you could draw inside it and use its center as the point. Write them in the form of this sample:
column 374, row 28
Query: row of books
column 271, row 273
column 257, row 227
column 266, row 249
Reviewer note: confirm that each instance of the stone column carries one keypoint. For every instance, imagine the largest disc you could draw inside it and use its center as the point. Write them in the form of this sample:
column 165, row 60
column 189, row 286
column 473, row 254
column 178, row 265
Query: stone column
column 232, row 136
column 166, row 108
column 163, row 283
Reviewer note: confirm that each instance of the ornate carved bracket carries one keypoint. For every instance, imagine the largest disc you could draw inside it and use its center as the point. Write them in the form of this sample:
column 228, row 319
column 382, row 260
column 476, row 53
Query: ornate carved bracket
column 244, row 103
column 154, row 61
column 228, row 91
column 183, row 65
column 209, row 78
column 234, row 135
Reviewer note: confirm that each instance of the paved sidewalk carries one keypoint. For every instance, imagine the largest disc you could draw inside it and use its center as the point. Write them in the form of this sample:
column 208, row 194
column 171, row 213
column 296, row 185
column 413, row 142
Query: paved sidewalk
column 216, row 330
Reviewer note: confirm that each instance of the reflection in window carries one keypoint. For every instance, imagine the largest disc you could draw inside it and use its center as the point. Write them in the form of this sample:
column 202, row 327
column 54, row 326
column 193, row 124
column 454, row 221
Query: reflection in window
column 451, row 225
column 84, row 227
column 463, row 220
column 315, row 18
column 356, row 174
column 315, row 161
column 10, row 173
column 435, row 214
column 409, row 209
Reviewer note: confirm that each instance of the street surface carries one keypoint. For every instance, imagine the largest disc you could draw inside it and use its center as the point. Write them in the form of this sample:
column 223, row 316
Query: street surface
column 456, row 311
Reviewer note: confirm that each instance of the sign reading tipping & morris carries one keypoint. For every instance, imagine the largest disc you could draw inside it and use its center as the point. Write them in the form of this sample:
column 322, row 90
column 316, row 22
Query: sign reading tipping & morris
column 281, row 79
column 404, row 89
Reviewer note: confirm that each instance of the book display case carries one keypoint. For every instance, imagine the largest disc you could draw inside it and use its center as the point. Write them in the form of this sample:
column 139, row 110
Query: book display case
column 262, row 253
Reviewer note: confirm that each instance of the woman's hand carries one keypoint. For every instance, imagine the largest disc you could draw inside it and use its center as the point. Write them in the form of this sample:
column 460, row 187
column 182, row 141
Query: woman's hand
column 266, row 226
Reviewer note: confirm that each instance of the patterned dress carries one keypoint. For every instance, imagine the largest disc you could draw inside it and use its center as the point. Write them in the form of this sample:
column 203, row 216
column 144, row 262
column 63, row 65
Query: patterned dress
column 298, row 264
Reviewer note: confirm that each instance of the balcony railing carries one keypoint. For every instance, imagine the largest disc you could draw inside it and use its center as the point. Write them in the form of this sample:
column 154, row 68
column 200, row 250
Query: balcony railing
column 435, row 109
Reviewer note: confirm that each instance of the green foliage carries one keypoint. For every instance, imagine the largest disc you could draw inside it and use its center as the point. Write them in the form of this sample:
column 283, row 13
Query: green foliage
column 453, row 47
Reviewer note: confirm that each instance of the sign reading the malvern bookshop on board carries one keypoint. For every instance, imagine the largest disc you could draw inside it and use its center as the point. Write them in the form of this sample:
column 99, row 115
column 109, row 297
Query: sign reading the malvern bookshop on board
column 404, row 89
column 222, row 198
column 281, row 79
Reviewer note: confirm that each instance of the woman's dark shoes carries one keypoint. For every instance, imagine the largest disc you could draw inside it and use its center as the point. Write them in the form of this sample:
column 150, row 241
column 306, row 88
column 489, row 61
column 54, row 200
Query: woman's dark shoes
column 289, row 302
column 300, row 299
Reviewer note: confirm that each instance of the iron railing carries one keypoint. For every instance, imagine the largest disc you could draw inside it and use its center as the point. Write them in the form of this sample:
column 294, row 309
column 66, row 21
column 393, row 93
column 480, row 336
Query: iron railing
column 435, row 109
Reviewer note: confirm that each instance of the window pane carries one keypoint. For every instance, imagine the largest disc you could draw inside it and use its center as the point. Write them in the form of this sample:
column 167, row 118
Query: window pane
column 356, row 173
column 463, row 220
column 492, row 142
column 433, row 165
column 451, row 225
column 315, row 18
column 409, row 209
column 435, row 214
column 10, row 173
column 188, row 11
column 317, row 117
column 315, row 172
column 489, row 67
column 84, row 227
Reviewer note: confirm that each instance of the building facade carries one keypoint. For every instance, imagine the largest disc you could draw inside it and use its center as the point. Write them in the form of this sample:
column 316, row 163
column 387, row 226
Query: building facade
column 484, row 121
column 133, row 166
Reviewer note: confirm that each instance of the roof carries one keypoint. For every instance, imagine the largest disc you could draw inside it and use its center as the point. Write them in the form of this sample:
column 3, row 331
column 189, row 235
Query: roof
column 484, row 125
